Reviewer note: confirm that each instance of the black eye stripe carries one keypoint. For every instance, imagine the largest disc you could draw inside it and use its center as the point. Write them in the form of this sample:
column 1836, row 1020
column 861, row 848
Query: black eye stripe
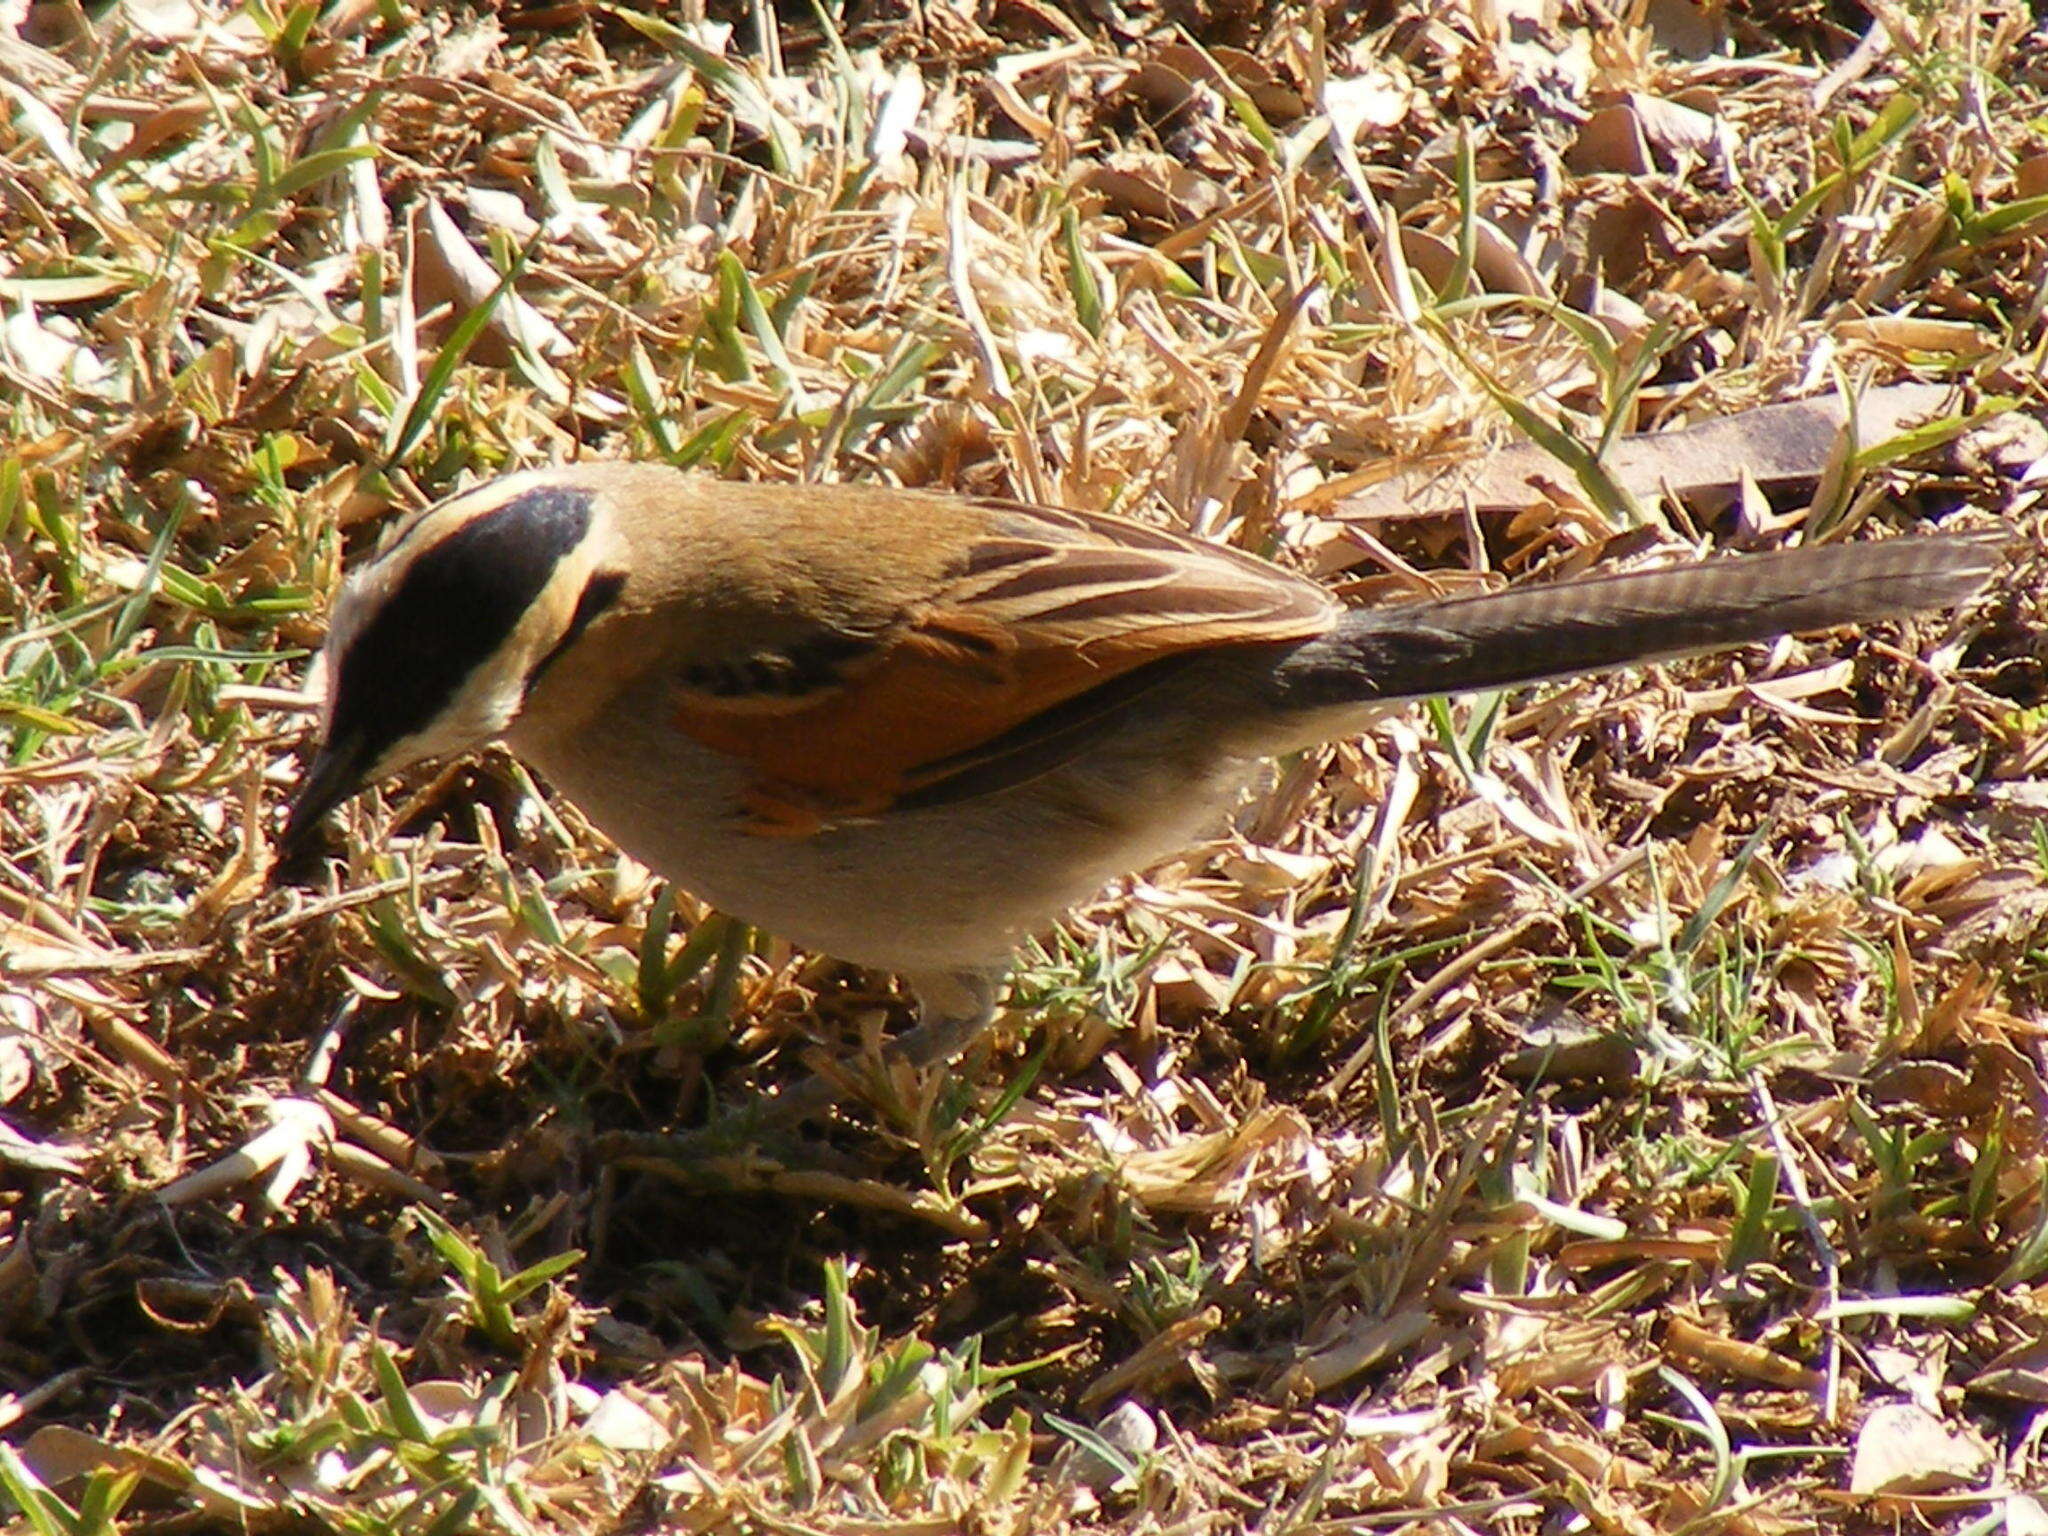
column 454, row 606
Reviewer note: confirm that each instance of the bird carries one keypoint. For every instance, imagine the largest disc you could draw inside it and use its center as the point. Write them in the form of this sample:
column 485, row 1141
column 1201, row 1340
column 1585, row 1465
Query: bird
column 911, row 729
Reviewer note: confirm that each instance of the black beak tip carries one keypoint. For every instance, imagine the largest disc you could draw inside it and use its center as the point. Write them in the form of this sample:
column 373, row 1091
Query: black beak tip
column 330, row 778
column 298, row 848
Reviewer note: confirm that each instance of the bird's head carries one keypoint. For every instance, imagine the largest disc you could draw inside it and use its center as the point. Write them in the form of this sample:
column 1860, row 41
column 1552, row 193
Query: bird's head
column 435, row 644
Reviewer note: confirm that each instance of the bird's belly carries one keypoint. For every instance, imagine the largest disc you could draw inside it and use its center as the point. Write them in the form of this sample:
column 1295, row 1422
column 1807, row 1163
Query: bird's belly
column 947, row 887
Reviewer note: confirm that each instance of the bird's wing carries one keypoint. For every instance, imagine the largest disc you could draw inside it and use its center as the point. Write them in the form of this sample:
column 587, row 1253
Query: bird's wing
column 1044, row 629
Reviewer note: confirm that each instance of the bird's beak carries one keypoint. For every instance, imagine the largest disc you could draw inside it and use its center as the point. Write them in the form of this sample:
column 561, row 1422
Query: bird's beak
column 335, row 774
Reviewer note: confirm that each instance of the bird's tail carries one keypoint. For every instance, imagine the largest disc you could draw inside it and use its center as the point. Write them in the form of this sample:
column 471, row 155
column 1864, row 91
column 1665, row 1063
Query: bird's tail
column 1593, row 623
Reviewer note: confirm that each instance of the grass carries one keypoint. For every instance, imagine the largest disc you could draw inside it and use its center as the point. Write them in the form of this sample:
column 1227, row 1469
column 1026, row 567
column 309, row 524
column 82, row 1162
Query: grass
column 1613, row 1107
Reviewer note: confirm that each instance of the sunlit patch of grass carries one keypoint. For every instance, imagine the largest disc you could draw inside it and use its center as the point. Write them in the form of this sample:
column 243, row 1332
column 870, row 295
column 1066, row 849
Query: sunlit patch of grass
column 1487, row 1133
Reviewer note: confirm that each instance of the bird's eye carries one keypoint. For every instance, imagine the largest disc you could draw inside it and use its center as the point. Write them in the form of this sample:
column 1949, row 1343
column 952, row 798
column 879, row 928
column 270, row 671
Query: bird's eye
column 454, row 604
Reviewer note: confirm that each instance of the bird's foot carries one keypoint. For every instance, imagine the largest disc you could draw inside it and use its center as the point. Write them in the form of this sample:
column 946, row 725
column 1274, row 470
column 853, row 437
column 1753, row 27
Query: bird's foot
column 954, row 1009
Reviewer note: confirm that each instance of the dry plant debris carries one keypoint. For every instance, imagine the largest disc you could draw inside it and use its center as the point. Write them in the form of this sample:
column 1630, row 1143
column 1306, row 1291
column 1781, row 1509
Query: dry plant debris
column 1619, row 1107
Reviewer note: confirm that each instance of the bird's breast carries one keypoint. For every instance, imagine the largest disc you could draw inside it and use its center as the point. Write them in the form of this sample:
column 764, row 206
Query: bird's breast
column 938, row 888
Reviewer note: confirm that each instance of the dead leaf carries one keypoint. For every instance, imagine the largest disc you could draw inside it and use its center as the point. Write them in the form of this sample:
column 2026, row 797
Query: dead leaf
column 1737, row 1357
column 1774, row 444
column 1917, row 333
column 1687, row 29
column 1369, row 1339
column 1681, row 132
column 2025, row 1515
column 1612, row 140
column 449, row 270
column 18, row 1149
column 1902, row 1448
column 621, row 1423
column 1500, row 265
column 2031, row 178
column 2020, row 1373
column 59, row 1454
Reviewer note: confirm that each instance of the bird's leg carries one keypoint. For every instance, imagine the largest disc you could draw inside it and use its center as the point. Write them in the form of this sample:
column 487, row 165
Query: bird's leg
column 954, row 1008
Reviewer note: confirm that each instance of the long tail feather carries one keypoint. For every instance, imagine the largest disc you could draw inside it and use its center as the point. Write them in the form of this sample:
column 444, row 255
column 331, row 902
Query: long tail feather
column 1567, row 628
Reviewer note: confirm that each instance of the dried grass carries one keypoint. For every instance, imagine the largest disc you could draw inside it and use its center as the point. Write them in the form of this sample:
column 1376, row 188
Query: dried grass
column 1620, row 1109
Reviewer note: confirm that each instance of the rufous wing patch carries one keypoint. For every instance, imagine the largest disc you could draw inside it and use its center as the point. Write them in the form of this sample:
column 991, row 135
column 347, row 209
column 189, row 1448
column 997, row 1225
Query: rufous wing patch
column 1048, row 607
column 940, row 687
